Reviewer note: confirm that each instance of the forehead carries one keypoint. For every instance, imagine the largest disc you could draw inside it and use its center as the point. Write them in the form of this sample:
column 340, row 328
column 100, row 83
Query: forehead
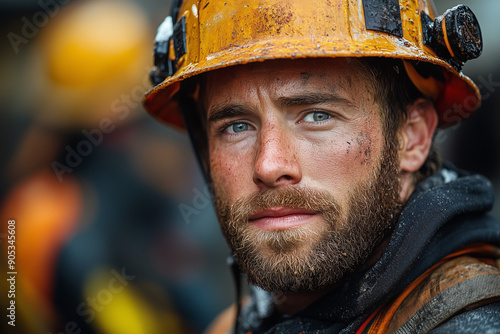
column 342, row 76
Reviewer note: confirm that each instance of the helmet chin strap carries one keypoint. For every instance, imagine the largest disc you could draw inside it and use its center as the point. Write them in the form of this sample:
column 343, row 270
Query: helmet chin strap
column 197, row 135
column 232, row 261
column 195, row 130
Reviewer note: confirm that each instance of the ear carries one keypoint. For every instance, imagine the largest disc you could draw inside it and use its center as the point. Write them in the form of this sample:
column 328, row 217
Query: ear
column 416, row 135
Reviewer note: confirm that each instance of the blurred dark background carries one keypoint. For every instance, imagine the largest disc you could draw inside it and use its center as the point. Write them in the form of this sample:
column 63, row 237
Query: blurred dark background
column 115, row 232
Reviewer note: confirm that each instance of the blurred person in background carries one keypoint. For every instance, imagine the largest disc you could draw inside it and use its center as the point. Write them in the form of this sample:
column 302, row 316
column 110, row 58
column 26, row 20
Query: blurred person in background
column 95, row 188
column 325, row 175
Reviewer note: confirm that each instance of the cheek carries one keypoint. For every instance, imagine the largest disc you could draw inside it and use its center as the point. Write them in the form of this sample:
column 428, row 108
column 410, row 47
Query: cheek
column 338, row 164
column 229, row 173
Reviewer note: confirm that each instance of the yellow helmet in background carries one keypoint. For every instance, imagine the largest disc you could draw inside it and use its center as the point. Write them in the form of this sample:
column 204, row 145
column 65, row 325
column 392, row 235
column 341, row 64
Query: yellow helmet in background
column 90, row 54
column 205, row 35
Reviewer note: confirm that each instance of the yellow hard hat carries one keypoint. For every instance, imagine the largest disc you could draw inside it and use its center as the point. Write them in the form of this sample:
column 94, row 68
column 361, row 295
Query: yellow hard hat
column 93, row 52
column 211, row 34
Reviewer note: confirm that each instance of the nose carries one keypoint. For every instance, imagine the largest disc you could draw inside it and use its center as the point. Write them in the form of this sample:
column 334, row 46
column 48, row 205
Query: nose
column 276, row 164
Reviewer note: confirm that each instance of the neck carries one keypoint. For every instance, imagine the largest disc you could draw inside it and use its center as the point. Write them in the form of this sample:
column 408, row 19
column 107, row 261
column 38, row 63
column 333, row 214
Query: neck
column 293, row 302
column 407, row 186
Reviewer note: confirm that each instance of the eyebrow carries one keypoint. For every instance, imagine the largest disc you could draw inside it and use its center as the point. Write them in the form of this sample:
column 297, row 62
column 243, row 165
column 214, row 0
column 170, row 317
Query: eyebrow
column 312, row 98
column 227, row 111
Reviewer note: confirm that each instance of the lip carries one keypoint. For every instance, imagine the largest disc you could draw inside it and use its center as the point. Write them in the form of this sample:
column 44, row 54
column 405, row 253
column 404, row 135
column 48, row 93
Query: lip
column 281, row 218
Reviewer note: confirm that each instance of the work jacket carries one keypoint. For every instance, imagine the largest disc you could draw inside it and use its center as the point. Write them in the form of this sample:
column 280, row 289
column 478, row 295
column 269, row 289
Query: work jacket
column 438, row 274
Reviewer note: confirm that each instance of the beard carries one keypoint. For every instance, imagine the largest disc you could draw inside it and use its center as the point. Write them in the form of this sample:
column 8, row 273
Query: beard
column 313, row 256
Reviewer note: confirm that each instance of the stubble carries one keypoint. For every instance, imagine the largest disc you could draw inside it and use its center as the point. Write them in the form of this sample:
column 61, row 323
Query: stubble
column 313, row 256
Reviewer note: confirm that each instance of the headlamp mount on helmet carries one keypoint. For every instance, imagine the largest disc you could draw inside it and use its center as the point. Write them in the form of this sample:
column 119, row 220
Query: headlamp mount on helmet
column 454, row 36
column 170, row 46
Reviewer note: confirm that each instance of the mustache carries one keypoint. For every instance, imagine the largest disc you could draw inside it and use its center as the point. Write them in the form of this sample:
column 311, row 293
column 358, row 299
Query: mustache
column 316, row 200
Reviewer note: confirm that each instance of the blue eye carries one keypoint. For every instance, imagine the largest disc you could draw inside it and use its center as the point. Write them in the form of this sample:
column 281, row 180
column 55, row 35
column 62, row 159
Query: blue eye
column 237, row 127
column 316, row 117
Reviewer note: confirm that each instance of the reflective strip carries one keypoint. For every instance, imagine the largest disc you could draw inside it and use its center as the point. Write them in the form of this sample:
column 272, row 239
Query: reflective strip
column 461, row 281
column 466, row 295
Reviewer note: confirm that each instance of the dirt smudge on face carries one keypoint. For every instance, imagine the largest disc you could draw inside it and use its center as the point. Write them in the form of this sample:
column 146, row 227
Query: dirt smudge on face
column 364, row 143
column 305, row 75
column 348, row 150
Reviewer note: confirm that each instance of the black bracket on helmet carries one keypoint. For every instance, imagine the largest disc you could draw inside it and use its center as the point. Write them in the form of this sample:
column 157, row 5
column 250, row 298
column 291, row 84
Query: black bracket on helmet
column 383, row 16
column 167, row 35
column 179, row 37
column 454, row 36
column 164, row 66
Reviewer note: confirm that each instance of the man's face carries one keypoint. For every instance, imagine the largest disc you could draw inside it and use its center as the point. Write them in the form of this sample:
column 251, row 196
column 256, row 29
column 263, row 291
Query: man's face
column 305, row 185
